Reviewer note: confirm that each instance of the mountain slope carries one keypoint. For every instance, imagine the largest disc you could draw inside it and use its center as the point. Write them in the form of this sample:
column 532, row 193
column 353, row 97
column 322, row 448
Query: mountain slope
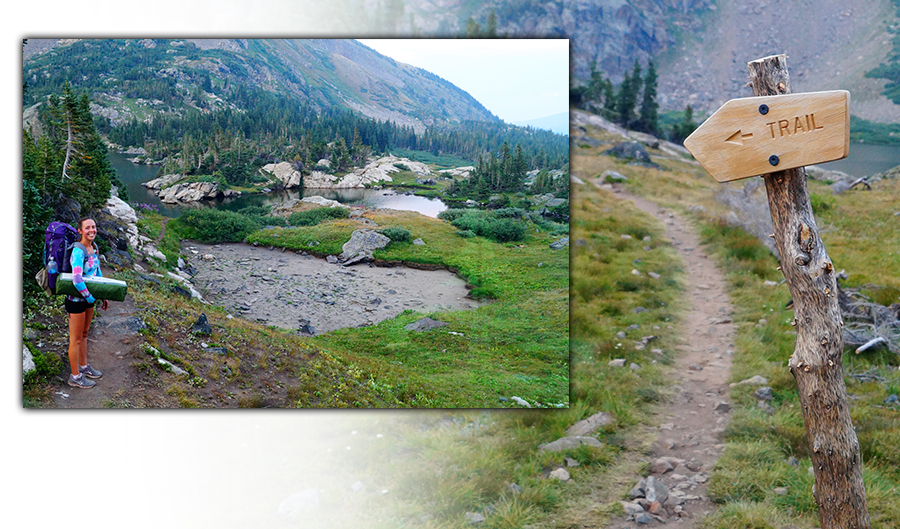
column 700, row 47
column 322, row 73
column 830, row 46
column 558, row 123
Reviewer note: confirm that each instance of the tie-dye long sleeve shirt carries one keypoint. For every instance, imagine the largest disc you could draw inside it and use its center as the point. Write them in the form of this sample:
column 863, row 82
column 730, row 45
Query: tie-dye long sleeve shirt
column 84, row 266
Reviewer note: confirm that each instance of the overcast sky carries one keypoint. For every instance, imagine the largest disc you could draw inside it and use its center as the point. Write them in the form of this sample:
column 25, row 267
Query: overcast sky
column 516, row 79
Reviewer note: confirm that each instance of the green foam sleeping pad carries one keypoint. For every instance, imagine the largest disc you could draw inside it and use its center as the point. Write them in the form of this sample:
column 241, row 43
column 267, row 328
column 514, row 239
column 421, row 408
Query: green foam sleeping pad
column 99, row 287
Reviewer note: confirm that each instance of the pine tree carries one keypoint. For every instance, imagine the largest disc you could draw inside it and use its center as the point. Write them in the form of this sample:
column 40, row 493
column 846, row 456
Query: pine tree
column 519, row 169
column 609, row 101
column 685, row 127
column 627, row 97
column 596, row 86
column 473, row 30
column 649, row 117
column 491, row 31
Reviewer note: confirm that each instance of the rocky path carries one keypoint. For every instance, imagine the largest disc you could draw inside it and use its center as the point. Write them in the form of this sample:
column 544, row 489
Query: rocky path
column 112, row 346
column 691, row 427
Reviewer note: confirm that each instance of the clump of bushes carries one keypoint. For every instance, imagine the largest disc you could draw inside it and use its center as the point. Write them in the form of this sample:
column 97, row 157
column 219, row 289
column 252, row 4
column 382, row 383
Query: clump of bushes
column 212, row 226
column 397, row 234
column 316, row 216
column 260, row 215
column 452, row 214
column 501, row 228
column 510, row 213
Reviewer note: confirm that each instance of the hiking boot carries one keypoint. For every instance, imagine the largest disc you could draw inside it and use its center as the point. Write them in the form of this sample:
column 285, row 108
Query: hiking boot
column 90, row 372
column 81, row 382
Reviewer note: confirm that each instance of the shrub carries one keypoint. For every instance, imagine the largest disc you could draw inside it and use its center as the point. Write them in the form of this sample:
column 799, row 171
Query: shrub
column 513, row 213
column 212, row 226
column 397, row 234
column 821, row 203
column 471, row 222
column 487, row 225
column 255, row 211
column 506, row 230
column 450, row 215
column 316, row 216
column 466, row 234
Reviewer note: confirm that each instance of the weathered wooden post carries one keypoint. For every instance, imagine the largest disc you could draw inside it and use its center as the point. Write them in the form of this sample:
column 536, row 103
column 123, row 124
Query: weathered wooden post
column 786, row 133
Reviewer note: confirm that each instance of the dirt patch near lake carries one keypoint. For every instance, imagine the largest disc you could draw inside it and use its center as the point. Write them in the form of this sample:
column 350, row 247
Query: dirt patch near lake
column 290, row 290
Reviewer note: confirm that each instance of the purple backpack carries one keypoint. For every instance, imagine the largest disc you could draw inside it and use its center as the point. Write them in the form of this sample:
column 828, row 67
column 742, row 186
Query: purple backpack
column 58, row 240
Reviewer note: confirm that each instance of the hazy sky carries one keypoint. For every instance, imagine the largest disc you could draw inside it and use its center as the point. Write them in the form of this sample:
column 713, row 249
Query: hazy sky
column 516, row 79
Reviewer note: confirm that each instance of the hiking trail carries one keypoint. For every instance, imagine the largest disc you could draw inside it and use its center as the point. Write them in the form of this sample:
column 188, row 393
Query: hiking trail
column 692, row 425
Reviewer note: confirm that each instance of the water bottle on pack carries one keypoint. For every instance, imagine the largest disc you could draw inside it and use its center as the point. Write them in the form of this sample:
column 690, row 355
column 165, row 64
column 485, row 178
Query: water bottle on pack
column 52, row 268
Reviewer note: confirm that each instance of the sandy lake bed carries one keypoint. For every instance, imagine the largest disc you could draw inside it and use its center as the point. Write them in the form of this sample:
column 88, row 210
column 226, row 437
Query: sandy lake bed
column 291, row 290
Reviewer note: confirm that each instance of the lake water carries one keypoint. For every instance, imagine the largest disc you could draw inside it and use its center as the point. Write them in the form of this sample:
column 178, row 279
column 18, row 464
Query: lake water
column 865, row 160
column 133, row 175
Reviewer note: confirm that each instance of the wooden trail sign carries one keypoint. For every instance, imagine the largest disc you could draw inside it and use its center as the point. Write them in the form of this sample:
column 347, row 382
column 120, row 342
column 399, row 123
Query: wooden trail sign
column 752, row 136
column 817, row 362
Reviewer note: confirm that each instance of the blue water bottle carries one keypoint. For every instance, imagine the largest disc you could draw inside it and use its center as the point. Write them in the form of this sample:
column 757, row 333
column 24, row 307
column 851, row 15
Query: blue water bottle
column 51, row 266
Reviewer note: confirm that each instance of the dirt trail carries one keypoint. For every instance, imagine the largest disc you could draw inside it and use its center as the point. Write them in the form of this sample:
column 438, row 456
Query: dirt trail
column 113, row 342
column 693, row 424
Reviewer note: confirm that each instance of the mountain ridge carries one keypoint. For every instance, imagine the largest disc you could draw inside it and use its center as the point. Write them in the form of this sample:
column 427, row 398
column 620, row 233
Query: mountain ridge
column 700, row 47
column 320, row 72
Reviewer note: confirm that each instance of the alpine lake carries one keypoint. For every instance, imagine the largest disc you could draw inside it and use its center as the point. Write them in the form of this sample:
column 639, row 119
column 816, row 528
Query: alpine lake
column 133, row 175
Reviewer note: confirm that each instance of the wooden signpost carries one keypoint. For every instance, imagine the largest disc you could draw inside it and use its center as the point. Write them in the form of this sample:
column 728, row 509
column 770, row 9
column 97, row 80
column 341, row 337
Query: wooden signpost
column 757, row 135
column 738, row 144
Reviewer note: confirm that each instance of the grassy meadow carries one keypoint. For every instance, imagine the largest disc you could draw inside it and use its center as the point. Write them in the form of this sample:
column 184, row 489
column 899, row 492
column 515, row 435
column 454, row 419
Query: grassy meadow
column 515, row 344
column 445, row 466
column 860, row 232
column 441, row 466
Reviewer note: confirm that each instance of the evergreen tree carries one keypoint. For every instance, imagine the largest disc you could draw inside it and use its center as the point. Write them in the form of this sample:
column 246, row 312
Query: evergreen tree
column 73, row 161
column 627, row 97
column 649, row 117
column 519, row 169
column 596, row 85
column 609, row 101
column 491, row 31
column 473, row 30
column 685, row 127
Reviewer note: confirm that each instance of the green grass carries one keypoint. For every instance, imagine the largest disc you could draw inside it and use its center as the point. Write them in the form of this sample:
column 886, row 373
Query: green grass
column 515, row 345
column 860, row 235
column 444, row 465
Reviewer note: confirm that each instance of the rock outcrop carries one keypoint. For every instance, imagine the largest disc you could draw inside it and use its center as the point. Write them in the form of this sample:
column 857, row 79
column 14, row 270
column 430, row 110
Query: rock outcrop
column 361, row 245
column 630, row 150
column 284, row 173
column 324, row 202
column 163, row 181
column 373, row 172
column 190, row 192
column 125, row 217
column 463, row 172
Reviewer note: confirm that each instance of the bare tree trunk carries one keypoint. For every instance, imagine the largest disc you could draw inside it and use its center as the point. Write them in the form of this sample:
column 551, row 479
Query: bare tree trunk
column 70, row 145
column 816, row 363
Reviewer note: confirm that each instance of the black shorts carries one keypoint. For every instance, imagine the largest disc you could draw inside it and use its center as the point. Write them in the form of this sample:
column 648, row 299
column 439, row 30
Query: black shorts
column 77, row 307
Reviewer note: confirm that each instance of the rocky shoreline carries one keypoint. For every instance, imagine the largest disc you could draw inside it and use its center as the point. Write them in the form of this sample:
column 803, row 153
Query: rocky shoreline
column 171, row 188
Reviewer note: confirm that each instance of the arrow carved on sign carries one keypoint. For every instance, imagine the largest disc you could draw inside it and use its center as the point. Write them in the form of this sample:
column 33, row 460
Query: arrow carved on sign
column 773, row 133
column 738, row 138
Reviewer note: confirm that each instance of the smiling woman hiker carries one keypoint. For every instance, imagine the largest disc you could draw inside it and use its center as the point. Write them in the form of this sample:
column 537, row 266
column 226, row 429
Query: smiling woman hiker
column 85, row 262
